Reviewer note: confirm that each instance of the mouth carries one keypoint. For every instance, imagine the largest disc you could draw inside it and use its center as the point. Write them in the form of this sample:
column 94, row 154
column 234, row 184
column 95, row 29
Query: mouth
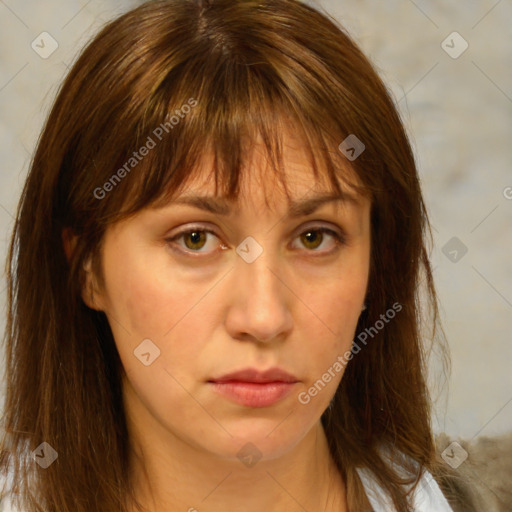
column 253, row 388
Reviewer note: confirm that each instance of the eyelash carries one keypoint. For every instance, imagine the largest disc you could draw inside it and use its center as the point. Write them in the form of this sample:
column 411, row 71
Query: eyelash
column 339, row 238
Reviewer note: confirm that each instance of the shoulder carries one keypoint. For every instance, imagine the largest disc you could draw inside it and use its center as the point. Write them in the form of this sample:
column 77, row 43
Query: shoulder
column 427, row 496
column 5, row 496
column 6, row 505
column 6, row 491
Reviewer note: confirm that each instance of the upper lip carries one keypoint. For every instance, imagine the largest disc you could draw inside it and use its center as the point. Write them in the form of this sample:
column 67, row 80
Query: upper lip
column 254, row 375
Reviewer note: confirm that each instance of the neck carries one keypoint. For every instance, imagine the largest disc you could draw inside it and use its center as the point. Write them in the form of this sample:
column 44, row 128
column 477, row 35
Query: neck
column 176, row 477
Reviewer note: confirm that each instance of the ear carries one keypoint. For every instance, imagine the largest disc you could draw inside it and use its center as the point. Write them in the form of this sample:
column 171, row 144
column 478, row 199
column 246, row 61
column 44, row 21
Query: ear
column 90, row 295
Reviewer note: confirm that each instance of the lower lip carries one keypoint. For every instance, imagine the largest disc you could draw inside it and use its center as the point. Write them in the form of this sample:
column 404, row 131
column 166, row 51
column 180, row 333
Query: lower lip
column 253, row 394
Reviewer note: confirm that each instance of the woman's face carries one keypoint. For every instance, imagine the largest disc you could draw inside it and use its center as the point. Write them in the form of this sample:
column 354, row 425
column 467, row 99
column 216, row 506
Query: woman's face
column 266, row 289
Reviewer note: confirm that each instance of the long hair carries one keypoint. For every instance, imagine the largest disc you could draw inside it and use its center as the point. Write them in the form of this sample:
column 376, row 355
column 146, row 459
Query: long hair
column 182, row 77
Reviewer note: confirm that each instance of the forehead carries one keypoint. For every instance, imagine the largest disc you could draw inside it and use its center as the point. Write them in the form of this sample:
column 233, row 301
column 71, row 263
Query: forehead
column 263, row 187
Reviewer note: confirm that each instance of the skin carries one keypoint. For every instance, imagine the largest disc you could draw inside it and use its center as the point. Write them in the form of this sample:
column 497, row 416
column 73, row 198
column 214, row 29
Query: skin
column 295, row 307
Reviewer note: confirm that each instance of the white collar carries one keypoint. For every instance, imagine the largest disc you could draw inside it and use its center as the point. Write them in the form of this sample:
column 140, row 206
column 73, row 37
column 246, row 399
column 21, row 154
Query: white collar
column 427, row 497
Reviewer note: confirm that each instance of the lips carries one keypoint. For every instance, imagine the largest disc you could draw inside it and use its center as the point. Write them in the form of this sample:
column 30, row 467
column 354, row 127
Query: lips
column 253, row 388
column 253, row 375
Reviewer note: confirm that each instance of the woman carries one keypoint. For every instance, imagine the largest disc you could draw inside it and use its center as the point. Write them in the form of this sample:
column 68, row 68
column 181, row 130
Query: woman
column 214, row 276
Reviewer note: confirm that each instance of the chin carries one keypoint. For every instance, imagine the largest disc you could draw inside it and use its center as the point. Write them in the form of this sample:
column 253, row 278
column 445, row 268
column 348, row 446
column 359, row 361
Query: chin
column 259, row 440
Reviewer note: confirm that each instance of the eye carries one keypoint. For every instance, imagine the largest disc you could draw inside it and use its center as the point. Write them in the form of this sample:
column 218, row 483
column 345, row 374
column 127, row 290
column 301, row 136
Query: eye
column 313, row 238
column 197, row 238
column 194, row 239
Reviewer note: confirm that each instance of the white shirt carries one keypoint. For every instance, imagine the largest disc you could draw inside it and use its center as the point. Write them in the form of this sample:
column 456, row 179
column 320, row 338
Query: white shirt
column 427, row 497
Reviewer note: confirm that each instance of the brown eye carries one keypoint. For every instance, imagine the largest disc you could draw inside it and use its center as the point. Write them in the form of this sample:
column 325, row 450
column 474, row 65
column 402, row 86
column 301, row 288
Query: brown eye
column 313, row 238
column 194, row 241
column 197, row 239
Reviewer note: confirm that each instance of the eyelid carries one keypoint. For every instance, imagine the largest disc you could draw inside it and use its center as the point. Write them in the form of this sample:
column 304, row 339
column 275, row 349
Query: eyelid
column 321, row 225
column 190, row 229
column 339, row 235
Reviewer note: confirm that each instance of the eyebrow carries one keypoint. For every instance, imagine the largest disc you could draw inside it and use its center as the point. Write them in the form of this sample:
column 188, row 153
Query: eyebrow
column 297, row 208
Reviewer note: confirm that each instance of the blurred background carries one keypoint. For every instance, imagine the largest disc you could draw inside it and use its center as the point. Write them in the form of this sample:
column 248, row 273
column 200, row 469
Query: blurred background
column 449, row 67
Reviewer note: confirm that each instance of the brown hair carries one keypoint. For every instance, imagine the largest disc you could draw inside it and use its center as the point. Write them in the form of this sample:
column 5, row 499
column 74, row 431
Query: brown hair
column 241, row 68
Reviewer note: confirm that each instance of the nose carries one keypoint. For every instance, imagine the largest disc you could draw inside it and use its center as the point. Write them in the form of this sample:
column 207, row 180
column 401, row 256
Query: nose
column 259, row 308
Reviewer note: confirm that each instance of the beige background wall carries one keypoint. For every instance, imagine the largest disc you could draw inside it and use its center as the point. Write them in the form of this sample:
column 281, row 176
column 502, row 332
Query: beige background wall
column 458, row 111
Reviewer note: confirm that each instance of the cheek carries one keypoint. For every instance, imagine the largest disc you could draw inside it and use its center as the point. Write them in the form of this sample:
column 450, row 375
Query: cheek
column 334, row 305
column 330, row 335
column 148, row 301
column 145, row 294
column 329, row 323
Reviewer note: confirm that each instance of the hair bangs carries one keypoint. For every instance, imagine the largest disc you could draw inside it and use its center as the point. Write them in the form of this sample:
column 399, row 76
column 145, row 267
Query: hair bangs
column 189, row 136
